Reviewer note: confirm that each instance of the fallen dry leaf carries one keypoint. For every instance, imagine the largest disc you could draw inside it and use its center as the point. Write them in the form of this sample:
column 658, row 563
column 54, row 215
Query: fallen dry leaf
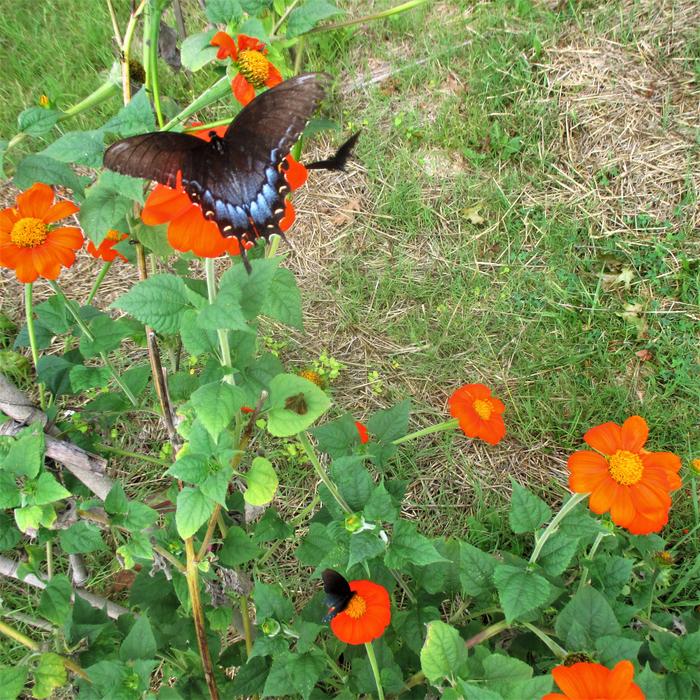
column 645, row 355
column 471, row 214
column 346, row 213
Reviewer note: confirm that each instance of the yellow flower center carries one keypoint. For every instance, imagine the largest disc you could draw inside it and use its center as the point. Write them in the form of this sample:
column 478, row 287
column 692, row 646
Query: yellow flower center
column 113, row 235
column 356, row 607
column 254, row 67
column 483, row 408
column 29, row 232
column 312, row 376
column 625, row 467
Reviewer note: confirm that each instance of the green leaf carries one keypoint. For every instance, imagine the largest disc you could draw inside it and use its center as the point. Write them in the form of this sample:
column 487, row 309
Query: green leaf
column 215, row 486
column 527, row 511
column 9, row 534
column 12, row 681
column 37, row 121
column 47, row 490
column 408, row 546
column 39, row 168
column 191, row 467
column 304, row 671
column 652, row 684
column 29, row 517
column 262, row 482
column 196, row 340
column 49, row 674
column 503, row 672
column 389, row 424
column 135, row 118
column 338, row 437
column 226, row 312
column 443, row 652
column 197, row 50
column 108, row 334
column 520, row 591
column 116, row 502
column 140, row 642
column 238, row 548
column 55, row 605
column 82, row 378
column 26, row 454
column 471, row 691
column 363, row 546
column 250, row 678
column 193, row 510
column 271, row 527
column 10, row 496
column 125, row 185
column 54, row 371
column 381, row 506
column 557, row 553
column 52, row 314
column 411, row 625
column 353, row 481
column 139, row 516
column 283, row 300
column 283, row 421
column 216, row 404
column 586, row 617
column 158, row 301
column 613, row 648
column 80, row 147
column 255, row 7
column 305, row 17
column 224, row 11
column 102, row 210
column 81, row 538
column 476, row 570
column 270, row 601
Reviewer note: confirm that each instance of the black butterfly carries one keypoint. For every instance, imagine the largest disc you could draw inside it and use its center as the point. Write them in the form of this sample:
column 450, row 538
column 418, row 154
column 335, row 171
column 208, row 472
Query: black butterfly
column 238, row 180
column 338, row 593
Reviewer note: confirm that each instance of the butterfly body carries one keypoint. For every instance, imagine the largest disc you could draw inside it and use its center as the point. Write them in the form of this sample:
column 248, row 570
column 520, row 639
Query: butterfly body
column 338, row 593
column 238, row 179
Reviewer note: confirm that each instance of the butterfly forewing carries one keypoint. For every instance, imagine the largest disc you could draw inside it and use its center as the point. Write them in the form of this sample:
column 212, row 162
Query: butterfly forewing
column 338, row 593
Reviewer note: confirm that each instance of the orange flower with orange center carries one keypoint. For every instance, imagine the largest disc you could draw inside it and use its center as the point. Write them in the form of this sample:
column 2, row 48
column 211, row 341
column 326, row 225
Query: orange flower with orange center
column 367, row 615
column 588, row 681
column 479, row 414
column 29, row 245
column 362, row 432
column 189, row 230
column 624, row 478
column 105, row 250
column 254, row 70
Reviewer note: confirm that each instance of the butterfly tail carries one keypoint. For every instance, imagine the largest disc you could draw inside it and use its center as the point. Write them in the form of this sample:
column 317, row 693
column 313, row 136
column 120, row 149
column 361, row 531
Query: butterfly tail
column 339, row 160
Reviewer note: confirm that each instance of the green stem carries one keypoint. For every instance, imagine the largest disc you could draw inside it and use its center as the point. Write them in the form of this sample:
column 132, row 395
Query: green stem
column 594, row 548
column 151, row 27
column 440, row 427
column 273, row 246
column 299, row 57
column 134, row 455
column 245, row 614
column 126, row 50
column 558, row 651
column 104, row 92
column 321, row 472
column 696, row 505
column 88, row 334
column 223, row 335
column 31, row 331
column 375, row 669
column 218, row 90
column 687, row 536
column 98, row 281
column 369, row 18
column 573, row 501
column 49, row 560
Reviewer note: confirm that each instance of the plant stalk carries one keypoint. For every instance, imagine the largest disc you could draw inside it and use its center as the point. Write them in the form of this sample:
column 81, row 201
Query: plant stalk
column 126, row 50
column 98, row 281
column 375, row 669
column 558, row 651
column 594, row 548
column 218, row 90
column 151, row 28
column 573, row 501
column 224, row 347
column 446, row 425
column 192, row 576
column 31, row 332
column 368, row 18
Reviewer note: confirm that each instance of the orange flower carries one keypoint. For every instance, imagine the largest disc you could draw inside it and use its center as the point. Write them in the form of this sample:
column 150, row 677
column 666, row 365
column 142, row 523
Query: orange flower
column 28, row 244
column 362, row 430
column 367, row 616
column 587, row 681
column 254, row 70
column 105, row 250
column 479, row 414
column 624, row 478
column 188, row 230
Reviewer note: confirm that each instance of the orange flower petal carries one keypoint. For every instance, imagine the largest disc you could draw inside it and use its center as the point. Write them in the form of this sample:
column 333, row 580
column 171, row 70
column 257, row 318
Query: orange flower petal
column 8, row 218
column 47, row 264
column 605, row 438
column 372, row 623
column 227, row 46
column 645, row 524
column 588, row 469
column 243, row 91
column 274, row 77
column 666, row 460
column 622, row 509
column 497, row 405
column 602, row 498
column 648, row 497
column 634, row 433
column 60, row 210
column 164, row 204
column 246, row 42
column 295, row 174
column 35, row 201
column 66, row 236
column 492, row 430
column 25, row 270
column 9, row 255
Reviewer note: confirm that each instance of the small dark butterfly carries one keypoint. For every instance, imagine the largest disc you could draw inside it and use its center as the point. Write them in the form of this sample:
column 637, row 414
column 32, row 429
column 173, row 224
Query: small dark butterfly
column 238, row 179
column 338, row 593
column 297, row 403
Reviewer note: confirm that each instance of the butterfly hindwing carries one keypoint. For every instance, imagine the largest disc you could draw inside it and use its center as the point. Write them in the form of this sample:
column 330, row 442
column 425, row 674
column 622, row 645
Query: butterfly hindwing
column 338, row 593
